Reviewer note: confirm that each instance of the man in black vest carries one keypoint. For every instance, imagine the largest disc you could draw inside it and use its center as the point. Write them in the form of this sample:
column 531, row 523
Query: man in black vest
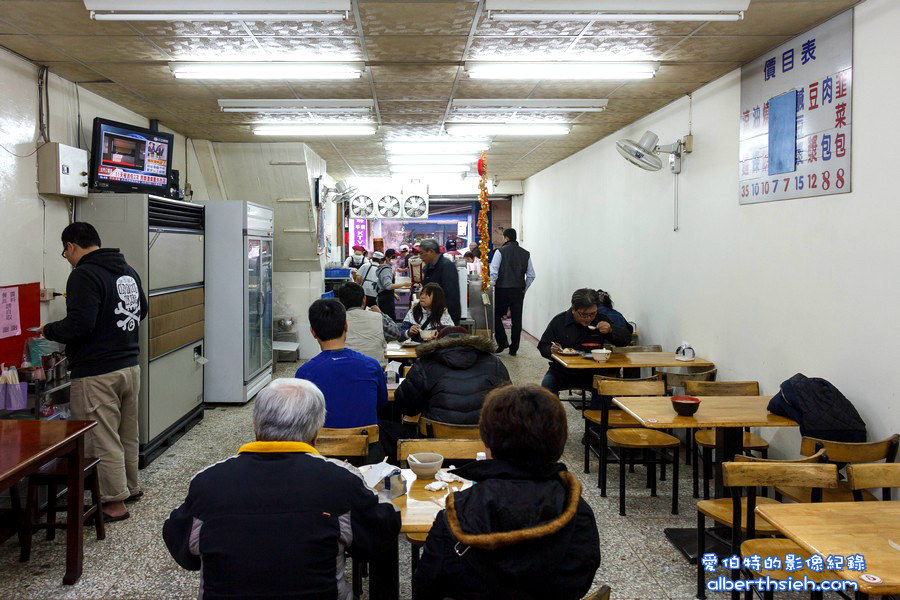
column 511, row 275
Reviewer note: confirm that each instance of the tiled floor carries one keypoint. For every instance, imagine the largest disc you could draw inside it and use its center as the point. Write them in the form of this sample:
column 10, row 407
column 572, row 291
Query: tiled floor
column 133, row 563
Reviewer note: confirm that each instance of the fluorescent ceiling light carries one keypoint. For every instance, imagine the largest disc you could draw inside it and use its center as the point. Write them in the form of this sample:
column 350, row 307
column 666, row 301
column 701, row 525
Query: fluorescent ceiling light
column 265, row 70
column 430, row 168
column 211, row 17
column 526, row 105
column 239, row 105
column 612, row 16
column 316, row 130
column 506, row 129
column 435, row 147
column 561, row 70
column 218, row 10
column 658, row 6
column 431, row 159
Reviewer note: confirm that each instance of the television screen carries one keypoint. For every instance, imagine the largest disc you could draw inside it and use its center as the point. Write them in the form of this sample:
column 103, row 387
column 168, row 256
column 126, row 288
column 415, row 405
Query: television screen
column 125, row 158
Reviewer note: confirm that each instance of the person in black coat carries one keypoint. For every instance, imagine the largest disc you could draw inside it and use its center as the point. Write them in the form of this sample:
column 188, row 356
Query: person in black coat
column 451, row 377
column 440, row 270
column 523, row 532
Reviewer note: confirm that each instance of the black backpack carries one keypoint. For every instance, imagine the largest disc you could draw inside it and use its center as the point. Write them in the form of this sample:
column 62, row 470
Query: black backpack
column 821, row 410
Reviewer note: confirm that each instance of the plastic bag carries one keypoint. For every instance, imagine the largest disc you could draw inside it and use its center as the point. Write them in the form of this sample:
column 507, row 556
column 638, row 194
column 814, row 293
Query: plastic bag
column 39, row 346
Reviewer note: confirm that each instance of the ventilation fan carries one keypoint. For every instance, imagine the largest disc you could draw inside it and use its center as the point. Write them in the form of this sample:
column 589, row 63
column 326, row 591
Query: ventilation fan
column 389, row 207
column 415, row 207
column 362, row 207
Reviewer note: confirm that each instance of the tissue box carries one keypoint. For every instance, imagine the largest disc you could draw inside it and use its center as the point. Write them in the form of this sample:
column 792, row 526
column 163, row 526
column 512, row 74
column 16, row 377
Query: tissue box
column 385, row 479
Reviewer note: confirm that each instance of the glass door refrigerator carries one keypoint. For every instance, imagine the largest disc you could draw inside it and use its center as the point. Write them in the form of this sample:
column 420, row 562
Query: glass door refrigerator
column 239, row 271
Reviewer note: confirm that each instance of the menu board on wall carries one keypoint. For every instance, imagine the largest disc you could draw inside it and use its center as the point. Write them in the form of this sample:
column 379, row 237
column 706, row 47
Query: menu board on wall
column 795, row 116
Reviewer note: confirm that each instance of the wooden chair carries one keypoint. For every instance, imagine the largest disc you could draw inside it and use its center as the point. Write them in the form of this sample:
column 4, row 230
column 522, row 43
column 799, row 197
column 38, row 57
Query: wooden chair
column 675, row 385
column 842, row 452
column 351, row 444
column 739, row 513
column 628, row 439
column 628, row 349
column 462, row 449
column 54, row 475
column 617, row 418
column 874, row 475
column 438, row 429
column 705, row 439
column 601, row 594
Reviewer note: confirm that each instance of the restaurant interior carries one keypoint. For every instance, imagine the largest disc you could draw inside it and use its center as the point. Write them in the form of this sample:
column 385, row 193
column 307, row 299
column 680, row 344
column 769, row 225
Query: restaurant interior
column 706, row 165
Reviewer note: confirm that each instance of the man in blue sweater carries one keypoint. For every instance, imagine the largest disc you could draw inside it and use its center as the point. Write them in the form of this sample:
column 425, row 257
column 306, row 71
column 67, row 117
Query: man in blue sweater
column 354, row 385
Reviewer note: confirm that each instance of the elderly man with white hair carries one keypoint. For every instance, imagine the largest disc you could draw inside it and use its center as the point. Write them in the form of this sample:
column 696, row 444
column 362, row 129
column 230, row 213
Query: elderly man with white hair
column 275, row 520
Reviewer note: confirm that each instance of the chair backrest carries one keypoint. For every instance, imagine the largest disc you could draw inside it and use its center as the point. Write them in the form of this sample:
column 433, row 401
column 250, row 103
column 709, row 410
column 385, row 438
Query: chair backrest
column 404, row 370
column 630, row 387
column 721, row 388
column 344, row 446
column 744, row 478
column 674, row 380
column 658, row 376
column 869, row 476
column 849, row 452
column 438, row 429
column 818, row 457
column 371, row 431
column 627, row 349
column 449, row 449
column 483, row 333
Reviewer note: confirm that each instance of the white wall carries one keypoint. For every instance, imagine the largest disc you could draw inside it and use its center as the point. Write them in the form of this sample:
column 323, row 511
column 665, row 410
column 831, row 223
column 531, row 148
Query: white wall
column 29, row 242
column 764, row 290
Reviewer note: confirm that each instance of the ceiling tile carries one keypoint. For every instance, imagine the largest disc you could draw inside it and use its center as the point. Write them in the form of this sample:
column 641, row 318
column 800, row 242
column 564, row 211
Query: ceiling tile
column 312, row 48
column 779, row 18
column 413, row 72
column 303, row 28
column 132, row 48
column 31, row 48
column 124, row 72
column 623, row 48
column 653, row 89
column 698, row 72
column 535, row 48
column 482, row 88
column 189, row 28
column 416, row 18
column 416, row 48
column 431, row 107
column 259, row 89
column 490, row 27
column 8, row 27
column 724, row 48
column 57, row 18
column 414, row 91
column 75, row 72
column 408, row 119
column 325, row 90
column 574, row 89
column 648, row 28
column 206, row 48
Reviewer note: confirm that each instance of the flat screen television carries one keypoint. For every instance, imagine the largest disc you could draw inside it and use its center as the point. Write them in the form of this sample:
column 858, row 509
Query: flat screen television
column 126, row 158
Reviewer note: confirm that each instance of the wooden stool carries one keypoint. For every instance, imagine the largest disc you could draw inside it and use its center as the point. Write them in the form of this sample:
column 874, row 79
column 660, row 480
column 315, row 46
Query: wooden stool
column 416, row 542
column 54, row 475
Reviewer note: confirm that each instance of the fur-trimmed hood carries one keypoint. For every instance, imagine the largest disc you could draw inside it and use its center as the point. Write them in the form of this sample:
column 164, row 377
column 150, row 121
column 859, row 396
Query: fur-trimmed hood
column 519, row 519
column 457, row 352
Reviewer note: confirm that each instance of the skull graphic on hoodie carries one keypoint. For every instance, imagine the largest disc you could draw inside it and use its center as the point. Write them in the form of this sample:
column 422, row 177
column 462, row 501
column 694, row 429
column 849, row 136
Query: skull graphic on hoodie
column 129, row 306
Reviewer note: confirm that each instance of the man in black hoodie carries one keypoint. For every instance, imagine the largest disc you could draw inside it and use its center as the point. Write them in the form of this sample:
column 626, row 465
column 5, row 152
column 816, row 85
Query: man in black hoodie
column 104, row 307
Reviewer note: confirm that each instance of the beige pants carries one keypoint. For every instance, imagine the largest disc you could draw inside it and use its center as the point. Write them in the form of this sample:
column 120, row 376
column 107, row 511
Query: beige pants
column 111, row 400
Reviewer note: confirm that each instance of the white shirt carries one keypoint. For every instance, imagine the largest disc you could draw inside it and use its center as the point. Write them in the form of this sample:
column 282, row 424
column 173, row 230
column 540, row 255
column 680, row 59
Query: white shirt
column 495, row 270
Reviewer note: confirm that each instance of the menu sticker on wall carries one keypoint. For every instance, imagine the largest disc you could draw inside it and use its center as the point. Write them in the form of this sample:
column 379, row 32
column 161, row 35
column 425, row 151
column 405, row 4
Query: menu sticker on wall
column 10, row 326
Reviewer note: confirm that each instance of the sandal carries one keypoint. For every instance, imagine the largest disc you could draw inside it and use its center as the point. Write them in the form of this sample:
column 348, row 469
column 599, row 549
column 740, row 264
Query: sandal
column 135, row 497
column 111, row 519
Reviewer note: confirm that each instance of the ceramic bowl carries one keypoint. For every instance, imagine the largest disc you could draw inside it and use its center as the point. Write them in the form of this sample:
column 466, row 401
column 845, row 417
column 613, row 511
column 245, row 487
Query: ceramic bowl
column 685, row 406
column 427, row 334
column 600, row 354
column 425, row 464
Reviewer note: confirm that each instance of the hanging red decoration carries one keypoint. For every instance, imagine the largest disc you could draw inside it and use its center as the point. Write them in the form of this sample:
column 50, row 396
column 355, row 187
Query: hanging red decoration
column 483, row 231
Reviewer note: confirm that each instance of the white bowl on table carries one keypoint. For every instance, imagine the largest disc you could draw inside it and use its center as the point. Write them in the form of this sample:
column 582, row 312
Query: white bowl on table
column 427, row 334
column 601, row 354
column 425, row 464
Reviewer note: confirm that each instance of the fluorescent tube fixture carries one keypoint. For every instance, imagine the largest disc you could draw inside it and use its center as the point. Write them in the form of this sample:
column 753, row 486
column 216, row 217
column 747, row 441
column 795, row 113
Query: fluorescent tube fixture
column 280, row 106
column 429, row 168
column 315, row 130
column 265, row 70
column 224, row 10
column 506, row 129
column 431, row 159
column 612, row 16
column 534, row 106
column 561, row 70
column 434, row 147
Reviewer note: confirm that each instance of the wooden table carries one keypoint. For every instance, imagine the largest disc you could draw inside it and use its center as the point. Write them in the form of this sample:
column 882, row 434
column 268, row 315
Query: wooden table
column 418, row 509
column 845, row 528
column 630, row 360
column 727, row 414
column 27, row 445
column 402, row 354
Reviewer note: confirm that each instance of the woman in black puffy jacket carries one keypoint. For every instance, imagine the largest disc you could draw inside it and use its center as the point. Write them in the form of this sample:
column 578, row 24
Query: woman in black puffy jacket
column 451, row 377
